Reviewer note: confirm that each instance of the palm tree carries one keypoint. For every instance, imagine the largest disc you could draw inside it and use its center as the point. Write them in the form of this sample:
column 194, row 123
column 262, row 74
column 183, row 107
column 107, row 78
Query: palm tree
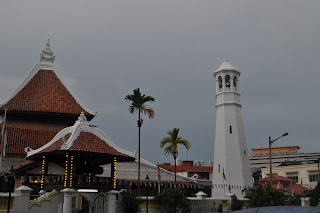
column 171, row 142
column 173, row 200
column 138, row 104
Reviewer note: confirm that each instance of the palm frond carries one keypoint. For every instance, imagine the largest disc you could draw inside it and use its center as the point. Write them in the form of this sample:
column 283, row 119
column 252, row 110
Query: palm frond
column 137, row 103
column 185, row 143
column 132, row 109
column 164, row 141
column 147, row 111
column 171, row 142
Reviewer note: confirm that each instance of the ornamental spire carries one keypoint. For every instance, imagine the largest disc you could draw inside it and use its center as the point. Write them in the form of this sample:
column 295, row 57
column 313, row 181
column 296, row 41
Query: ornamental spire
column 47, row 57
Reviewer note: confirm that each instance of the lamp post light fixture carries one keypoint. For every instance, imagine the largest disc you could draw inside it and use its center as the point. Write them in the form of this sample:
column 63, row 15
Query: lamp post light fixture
column 270, row 160
column 11, row 184
column 147, row 190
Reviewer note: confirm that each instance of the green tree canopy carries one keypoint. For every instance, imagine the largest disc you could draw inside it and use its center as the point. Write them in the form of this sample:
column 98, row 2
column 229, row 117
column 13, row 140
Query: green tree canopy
column 170, row 144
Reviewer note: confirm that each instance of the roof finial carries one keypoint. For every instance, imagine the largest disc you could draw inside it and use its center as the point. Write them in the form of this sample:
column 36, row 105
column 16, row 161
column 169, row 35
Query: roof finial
column 82, row 118
column 47, row 57
column 226, row 59
column 48, row 44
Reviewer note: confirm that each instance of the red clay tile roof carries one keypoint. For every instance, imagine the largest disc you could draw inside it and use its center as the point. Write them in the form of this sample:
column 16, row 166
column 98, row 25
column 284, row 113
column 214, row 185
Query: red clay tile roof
column 44, row 93
column 169, row 167
column 276, row 177
column 20, row 136
column 86, row 142
column 298, row 189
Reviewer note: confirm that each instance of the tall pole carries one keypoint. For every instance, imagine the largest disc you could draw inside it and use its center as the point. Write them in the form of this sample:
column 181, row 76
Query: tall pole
column 8, row 211
column 318, row 170
column 270, row 161
column 139, row 125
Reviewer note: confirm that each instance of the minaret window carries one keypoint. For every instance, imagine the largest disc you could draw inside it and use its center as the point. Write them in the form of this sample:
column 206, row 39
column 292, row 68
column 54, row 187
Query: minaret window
column 220, row 83
column 230, row 129
column 227, row 79
column 235, row 83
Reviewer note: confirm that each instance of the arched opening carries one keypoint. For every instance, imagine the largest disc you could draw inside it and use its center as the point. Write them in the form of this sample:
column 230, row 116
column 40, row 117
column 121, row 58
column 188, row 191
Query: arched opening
column 227, row 80
column 220, row 83
column 235, row 83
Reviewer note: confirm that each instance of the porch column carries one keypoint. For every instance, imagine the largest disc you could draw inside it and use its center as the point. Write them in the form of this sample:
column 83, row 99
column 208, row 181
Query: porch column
column 67, row 200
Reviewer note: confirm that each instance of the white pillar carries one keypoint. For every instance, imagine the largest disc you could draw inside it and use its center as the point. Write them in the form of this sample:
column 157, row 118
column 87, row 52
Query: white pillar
column 231, row 84
column 112, row 202
column 24, row 197
column 67, row 200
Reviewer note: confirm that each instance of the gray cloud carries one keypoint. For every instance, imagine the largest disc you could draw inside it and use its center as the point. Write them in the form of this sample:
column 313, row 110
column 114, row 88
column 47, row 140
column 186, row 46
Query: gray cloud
column 170, row 50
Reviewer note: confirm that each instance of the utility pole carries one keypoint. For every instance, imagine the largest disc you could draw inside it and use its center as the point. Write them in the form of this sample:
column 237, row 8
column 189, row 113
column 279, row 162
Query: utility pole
column 270, row 160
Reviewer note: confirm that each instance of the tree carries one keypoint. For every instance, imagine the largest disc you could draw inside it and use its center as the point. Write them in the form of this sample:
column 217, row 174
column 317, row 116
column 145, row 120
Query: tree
column 236, row 204
column 266, row 196
column 138, row 102
column 173, row 199
column 314, row 195
column 129, row 202
column 171, row 142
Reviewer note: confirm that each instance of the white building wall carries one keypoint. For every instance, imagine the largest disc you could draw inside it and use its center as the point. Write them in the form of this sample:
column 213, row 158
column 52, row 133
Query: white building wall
column 302, row 171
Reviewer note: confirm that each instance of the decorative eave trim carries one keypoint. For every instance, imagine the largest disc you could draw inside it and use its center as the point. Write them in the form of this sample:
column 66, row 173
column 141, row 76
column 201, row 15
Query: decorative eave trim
column 228, row 104
column 75, row 130
column 35, row 69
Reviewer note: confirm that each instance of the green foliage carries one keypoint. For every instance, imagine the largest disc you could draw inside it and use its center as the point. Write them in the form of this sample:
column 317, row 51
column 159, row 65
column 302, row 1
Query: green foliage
column 129, row 202
column 267, row 196
column 236, row 204
column 314, row 195
column 138, row 103
column 170, row 198
column 172, row 141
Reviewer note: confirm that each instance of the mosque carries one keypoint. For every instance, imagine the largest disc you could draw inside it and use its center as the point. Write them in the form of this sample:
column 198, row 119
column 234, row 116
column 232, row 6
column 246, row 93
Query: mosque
column 51, row 144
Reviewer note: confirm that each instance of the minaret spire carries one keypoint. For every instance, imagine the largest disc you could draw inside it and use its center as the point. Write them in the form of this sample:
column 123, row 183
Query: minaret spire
column 231, row 170
column 47, row 57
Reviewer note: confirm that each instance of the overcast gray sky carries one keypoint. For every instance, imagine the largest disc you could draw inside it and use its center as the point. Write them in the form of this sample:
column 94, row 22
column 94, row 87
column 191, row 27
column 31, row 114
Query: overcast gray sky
column 170, row 50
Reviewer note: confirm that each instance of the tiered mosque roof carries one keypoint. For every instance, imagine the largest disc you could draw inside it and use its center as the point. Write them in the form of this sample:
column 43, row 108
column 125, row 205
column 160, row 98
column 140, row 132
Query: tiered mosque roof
column 40, row 107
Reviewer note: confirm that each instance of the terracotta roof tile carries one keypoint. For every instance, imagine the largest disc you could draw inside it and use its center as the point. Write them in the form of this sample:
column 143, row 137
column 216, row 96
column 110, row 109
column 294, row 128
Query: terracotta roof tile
column 44, row 93
column 182, row 168
column 28, row 135
column 86, row 142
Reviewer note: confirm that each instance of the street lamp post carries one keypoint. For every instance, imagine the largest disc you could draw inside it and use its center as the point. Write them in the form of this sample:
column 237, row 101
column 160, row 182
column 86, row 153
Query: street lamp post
column 147, row 190
column 11, row 184
column 270, row 160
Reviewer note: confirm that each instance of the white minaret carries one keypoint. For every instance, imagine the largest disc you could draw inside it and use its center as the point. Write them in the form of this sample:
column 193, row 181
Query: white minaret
column 231, row 169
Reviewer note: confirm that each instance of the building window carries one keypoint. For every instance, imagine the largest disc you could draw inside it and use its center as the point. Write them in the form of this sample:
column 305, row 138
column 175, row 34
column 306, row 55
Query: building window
column 227, row 79
column 230, row 129
column 219, row 168
column 313, row 178
column 235, row 83
column 220, row 83
column 285, row 185
column 294, row 178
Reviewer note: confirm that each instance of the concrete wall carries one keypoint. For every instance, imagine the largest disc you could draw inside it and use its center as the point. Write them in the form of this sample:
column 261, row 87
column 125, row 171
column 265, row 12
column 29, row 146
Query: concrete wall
column 53, row 205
